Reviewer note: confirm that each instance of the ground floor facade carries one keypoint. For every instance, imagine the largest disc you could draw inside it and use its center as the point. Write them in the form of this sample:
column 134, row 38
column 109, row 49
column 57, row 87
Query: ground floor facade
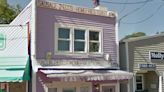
column 80, row 82
column 145, row 58
column 14, row 87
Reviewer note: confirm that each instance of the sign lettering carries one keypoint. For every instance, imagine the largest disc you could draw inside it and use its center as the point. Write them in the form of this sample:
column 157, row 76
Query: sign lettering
column 157, row 55
column 70, row 8
column 147, row 66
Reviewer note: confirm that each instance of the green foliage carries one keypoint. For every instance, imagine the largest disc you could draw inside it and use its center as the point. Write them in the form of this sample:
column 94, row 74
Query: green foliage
column 7, row 12
column 138, row 34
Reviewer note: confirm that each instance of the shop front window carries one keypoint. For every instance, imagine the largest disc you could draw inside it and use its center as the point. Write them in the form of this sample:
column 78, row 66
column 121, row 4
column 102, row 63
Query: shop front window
column 108, row 88
column 71, row 89
column 84, row 89
column 3, row 87
column 52, row 89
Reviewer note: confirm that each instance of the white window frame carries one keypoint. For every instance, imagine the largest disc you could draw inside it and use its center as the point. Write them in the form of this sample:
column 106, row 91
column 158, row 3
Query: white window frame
column 57, row 39
column 81, row 27
column 140, row 82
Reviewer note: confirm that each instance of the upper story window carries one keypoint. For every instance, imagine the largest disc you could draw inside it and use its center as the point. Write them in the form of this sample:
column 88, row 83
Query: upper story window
column 63, row 39
column 74, row 39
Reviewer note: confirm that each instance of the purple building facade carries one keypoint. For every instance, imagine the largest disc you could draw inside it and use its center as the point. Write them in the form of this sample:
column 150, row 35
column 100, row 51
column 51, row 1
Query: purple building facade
column 74, row 49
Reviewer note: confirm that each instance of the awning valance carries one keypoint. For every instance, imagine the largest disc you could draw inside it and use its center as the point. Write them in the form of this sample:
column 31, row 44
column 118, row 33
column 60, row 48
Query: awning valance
column 87, row 75
column 14, row 69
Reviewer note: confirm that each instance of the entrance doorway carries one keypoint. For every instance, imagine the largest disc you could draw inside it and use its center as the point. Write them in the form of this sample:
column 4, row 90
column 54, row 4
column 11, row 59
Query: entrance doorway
column 147, row 82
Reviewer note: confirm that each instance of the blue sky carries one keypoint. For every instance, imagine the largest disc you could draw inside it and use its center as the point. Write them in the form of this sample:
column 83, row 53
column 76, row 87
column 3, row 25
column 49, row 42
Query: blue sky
column 141, row 17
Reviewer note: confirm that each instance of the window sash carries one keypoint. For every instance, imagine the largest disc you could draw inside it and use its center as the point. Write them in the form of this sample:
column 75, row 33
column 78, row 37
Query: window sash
column 140, row 82
column 86, row 40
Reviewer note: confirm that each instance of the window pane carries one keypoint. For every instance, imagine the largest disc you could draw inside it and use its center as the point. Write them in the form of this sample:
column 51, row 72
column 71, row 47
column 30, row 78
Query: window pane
column 108, row 88
column 63, row 45
column 93, row 47
column 84, row 89
column 79, row 34
column 3, row 87
column 52, row 89
column 93, row 35
column 79, row 46
column 69, row 90
column 138, row 78
column 139, row 86
column 64, row 33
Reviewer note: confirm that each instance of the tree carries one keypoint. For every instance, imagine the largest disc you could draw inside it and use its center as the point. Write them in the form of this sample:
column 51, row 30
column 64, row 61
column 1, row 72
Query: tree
column 138, row 34
column 7, row 12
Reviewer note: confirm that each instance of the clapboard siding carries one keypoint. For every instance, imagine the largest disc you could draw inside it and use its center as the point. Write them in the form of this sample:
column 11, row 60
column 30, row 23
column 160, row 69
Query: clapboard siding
column 24, row 17
column 139, row 53
column 46, row 19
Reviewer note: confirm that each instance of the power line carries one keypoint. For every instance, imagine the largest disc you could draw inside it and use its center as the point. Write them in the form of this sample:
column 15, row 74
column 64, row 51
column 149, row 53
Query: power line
column 139, row 2
column 147, row 18
column 124, row 6
column 131, row 12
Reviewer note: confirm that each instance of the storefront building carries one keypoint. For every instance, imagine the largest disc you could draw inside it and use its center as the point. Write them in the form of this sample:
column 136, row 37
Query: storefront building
column 14, row 59
column 144, row 56
column 73, row 49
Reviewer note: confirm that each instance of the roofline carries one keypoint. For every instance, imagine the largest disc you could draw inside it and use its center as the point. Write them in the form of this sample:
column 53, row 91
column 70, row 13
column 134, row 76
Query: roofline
column 22, row 12
column 141, row 38
column 74, row 8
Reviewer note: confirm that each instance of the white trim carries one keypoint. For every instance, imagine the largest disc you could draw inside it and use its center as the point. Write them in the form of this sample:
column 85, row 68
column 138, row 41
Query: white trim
column 141, row 82
column 33, row 44
column 128, row 86
column 127, row 56
column 118, row 86
column 82, row 27
column 26, row 86
column 111, row 84
column 134, row 83
column 160, row 84
column 142, row 38
column 33, row 31
column 20, row 14
column 117, row 38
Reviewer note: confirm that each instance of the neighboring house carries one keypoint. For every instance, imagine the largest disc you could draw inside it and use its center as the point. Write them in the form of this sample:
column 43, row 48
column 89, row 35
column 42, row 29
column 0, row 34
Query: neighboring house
column 14, row 58
column 73, row 49
column 144, row 56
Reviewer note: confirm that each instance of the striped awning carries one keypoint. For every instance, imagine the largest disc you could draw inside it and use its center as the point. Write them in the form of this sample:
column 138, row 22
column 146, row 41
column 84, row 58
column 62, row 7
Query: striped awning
column 14, row 69
column 87, row 75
